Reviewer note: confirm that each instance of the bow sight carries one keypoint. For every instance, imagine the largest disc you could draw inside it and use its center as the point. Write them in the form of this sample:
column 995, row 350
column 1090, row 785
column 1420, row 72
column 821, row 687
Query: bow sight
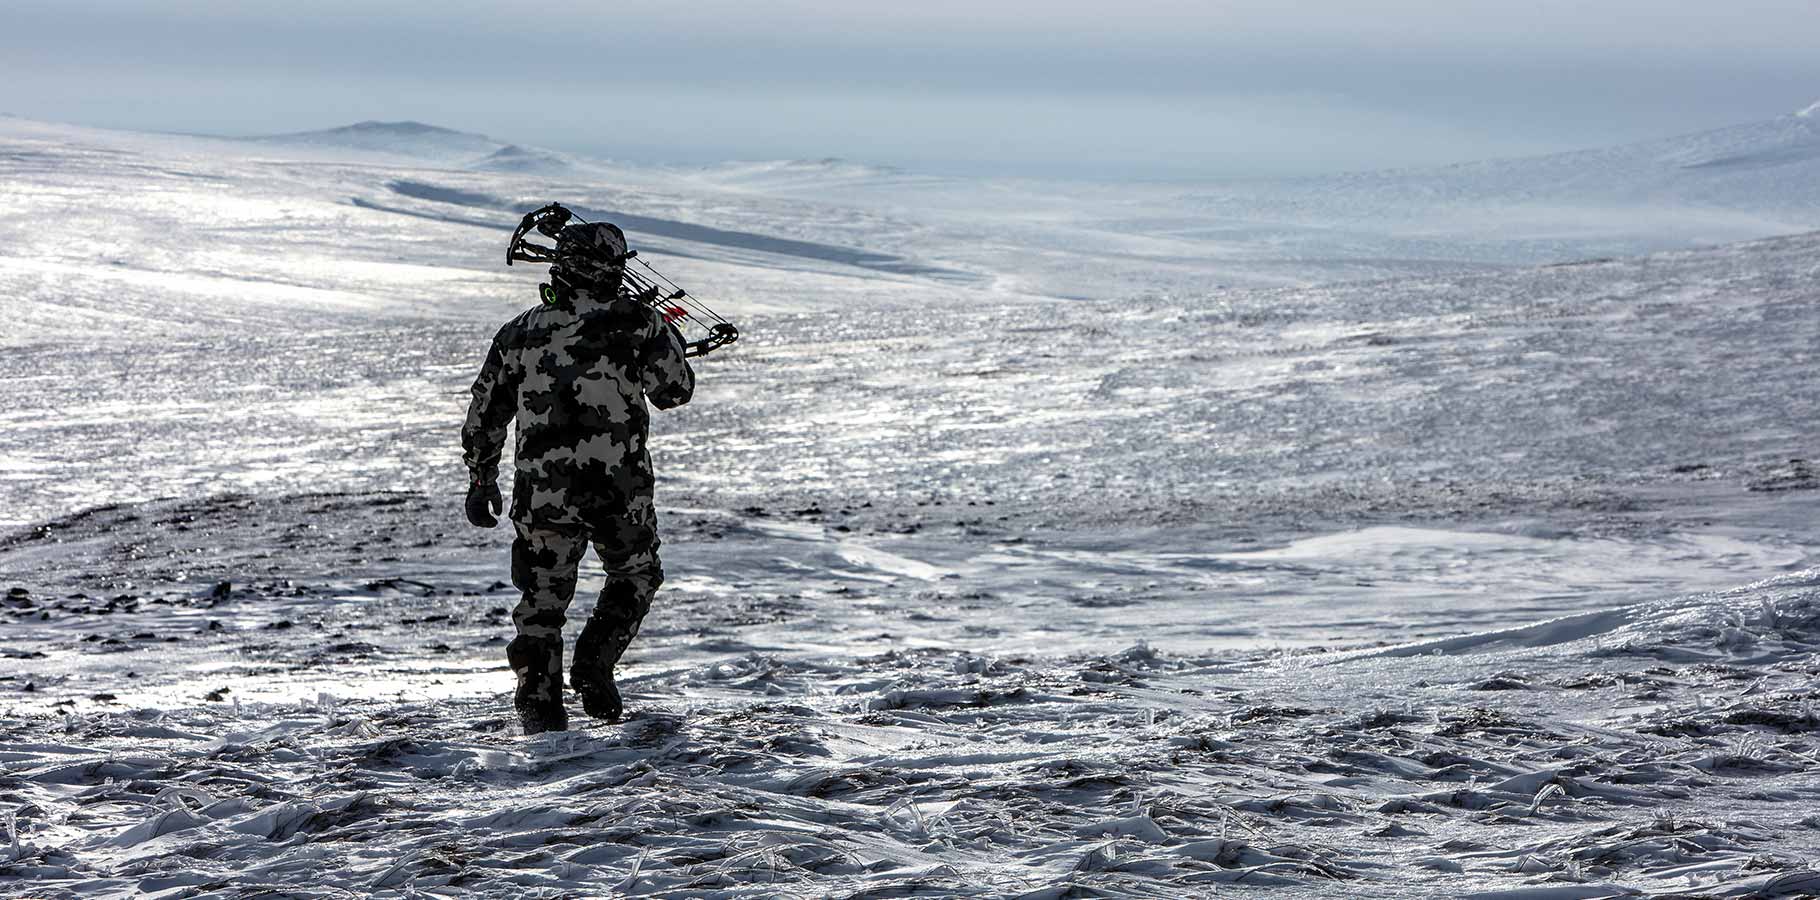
column 678, row 307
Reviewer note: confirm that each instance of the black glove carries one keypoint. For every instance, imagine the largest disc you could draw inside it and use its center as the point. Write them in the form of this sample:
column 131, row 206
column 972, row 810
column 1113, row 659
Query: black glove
column 483, row 504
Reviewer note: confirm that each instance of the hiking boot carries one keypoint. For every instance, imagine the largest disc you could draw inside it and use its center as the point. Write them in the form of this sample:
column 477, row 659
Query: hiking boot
column 597, row 651
column 538, row 664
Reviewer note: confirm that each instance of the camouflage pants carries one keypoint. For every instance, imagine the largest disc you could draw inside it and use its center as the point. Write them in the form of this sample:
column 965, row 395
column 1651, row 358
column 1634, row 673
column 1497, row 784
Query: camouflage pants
column 545, row 564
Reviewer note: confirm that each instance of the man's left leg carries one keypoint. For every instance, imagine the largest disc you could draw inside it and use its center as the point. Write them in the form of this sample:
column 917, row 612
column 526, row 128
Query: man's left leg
column 634, row 574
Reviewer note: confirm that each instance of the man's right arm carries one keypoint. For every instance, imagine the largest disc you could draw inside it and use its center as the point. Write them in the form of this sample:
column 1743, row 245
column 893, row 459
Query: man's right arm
column 667, row 379
column 483, row 435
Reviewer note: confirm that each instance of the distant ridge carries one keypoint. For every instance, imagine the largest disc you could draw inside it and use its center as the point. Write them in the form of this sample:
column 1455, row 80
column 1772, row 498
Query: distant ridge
column 1785, row 139
column 524, row 160
column 404, row 127
column 412, row 139
column 783, row 174
column 1764, row 175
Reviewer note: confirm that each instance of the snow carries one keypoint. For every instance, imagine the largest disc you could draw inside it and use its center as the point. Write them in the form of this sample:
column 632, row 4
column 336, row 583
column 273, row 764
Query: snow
column 1009, row 553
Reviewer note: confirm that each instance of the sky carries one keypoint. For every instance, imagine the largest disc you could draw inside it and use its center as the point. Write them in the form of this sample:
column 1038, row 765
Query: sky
column 1131, row 89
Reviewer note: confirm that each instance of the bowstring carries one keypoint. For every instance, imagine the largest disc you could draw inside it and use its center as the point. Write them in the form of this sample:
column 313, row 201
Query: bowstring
column 663, row 304
column 709, row 339
column 692, row 305
column 694, row 301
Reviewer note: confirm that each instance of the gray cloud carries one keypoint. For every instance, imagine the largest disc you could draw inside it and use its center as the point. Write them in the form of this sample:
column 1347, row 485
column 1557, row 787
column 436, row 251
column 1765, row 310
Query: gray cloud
column 1143, row 87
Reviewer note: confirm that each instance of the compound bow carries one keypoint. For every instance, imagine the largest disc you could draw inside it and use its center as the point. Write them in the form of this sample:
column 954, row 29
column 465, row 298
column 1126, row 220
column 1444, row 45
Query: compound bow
column 678, row 307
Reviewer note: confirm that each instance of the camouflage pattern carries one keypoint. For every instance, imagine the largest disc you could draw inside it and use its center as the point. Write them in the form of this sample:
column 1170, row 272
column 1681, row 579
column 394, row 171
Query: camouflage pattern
column 575, row 376
column 592, row 252
column 538, row 664
column 544, row 566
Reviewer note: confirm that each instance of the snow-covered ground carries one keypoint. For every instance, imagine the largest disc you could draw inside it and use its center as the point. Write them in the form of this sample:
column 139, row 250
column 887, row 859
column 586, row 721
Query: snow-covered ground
column 1009, row 554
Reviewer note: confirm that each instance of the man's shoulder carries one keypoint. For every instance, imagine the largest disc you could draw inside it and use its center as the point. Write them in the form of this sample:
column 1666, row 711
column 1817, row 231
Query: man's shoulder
column 620, row 314
column 526, row 326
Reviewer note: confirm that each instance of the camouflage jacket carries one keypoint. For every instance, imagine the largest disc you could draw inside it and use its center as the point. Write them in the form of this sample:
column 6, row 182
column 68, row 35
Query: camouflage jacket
column 575, row 377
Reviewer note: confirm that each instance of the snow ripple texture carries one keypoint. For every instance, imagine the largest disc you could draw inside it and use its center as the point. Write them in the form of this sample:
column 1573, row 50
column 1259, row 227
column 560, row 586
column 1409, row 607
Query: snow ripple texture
column 1136, row 773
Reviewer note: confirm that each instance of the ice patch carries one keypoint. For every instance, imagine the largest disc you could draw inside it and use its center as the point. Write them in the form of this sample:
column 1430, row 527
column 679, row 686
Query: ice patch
column 874, row 558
